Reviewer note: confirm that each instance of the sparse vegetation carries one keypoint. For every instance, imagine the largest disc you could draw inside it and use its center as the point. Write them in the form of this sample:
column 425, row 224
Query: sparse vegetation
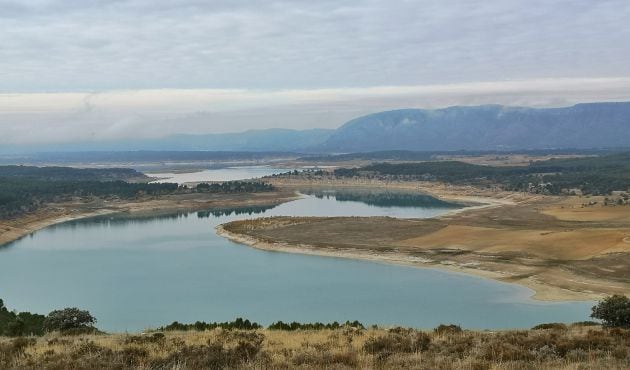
column 577, row 347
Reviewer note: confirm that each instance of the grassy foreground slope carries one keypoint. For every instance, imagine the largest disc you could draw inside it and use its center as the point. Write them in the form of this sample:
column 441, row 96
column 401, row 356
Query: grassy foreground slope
column 72, row 342
column 446, row 347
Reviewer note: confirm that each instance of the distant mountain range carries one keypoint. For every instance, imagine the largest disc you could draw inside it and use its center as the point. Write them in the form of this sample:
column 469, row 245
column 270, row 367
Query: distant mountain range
column 275, row 139
column 487, row 127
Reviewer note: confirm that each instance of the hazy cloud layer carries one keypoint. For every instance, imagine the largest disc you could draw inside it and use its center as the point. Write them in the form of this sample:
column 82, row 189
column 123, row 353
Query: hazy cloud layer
column 76, row 69
column 61, row 117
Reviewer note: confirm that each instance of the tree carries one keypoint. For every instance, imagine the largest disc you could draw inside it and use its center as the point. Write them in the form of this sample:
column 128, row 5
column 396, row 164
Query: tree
column 614, row 311
column 69, row 318
column 15, row 328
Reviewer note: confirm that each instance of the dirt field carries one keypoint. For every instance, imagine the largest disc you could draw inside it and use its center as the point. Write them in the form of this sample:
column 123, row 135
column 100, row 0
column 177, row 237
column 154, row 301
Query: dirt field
column 554, row 245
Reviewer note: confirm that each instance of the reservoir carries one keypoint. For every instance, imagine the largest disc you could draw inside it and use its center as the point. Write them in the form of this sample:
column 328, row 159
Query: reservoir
column 134, row 273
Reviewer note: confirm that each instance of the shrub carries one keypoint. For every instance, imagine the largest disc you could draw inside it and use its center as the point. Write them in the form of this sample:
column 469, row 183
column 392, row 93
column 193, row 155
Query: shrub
column 155, row 338
column 216, row 354
column 500, row 351
column 69, row 319
column 594, row 340
column 13, row 350
column 585, row 323
column 614, row 311
column 448, row 329
column 397, row 340
column 551, row 325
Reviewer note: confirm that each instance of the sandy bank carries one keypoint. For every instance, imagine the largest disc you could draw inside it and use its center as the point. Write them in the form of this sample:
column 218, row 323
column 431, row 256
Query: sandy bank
column 540, row 290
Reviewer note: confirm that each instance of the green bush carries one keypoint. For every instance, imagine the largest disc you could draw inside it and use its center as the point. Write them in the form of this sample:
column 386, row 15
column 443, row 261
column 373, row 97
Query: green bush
column 448, row 329
column 70, row 319
column 551, row 325
column 614, row 311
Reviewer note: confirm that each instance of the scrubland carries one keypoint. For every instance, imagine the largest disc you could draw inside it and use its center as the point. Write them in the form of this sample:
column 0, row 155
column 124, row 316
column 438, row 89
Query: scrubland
column 551, row 346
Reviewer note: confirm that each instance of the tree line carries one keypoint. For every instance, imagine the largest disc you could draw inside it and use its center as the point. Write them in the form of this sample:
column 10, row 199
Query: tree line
column 23, row 195
column 613, row 311
column 234, row 187
column 24, row 189
column 593, row 175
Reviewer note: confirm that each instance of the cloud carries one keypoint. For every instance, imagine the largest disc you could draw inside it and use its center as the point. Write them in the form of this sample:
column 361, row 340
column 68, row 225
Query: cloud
column 109, row 69
column 72, row 45
column 112, row 115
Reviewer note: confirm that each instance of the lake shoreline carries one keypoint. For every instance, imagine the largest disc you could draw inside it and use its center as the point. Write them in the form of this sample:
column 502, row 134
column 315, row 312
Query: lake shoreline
column 479, row 201
column 14, row 229
column 540, row 291
column 503, row 236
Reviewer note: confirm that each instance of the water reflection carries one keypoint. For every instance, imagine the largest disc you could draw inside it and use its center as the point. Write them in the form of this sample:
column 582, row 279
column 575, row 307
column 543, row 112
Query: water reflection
column 381, row 198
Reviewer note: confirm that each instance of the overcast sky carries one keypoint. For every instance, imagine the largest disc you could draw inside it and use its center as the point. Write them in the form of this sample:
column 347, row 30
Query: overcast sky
column 106, row 69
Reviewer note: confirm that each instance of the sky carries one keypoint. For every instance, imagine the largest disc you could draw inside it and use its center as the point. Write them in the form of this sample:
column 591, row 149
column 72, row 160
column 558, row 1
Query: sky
column 78, row 70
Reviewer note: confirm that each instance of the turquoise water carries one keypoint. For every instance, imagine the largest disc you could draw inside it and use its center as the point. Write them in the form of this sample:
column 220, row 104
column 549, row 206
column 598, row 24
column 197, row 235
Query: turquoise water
column 136, row 273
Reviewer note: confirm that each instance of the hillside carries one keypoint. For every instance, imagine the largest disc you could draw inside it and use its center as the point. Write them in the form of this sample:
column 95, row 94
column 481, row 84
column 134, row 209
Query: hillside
column 488, row 127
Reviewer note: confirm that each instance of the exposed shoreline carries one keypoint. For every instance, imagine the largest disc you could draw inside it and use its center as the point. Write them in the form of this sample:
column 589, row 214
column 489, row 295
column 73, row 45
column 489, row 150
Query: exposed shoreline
column 540, row 291
column 552, row 283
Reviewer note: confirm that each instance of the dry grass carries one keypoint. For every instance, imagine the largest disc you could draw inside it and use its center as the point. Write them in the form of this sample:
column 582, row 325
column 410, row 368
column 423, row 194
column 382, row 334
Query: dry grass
column 572, row 347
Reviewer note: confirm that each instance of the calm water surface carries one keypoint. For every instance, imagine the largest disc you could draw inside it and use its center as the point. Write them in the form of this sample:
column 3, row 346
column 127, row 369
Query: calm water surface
column 135, row 273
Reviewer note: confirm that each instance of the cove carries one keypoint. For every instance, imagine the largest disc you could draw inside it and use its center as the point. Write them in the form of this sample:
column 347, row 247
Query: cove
column 135, row 273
